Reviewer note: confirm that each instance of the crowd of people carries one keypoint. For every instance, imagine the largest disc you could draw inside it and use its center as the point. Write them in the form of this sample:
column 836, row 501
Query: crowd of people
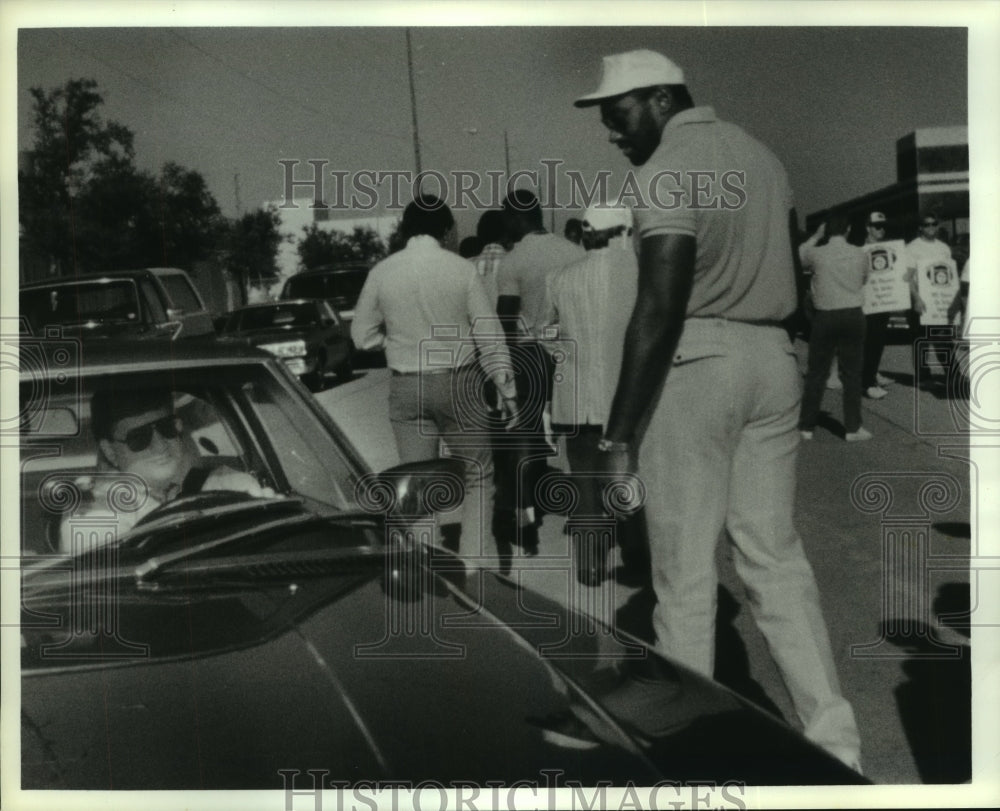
column 655, row 345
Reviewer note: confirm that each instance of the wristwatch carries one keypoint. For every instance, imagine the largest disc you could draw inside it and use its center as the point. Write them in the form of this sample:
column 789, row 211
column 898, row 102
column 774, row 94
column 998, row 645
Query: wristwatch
column 605, row 445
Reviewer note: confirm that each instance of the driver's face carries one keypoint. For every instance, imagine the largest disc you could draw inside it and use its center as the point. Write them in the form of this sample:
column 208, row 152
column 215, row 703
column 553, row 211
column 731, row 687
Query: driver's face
column 149, row 446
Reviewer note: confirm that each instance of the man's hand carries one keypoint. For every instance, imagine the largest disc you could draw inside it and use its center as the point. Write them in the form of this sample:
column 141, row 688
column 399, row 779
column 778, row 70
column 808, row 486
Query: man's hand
column 225, row 478
column 621, row 488
column 510, row 412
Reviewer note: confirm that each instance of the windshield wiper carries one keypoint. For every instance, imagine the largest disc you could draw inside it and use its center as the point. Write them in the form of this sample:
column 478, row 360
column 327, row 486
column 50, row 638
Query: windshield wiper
column 135, row 536
column 154, row 564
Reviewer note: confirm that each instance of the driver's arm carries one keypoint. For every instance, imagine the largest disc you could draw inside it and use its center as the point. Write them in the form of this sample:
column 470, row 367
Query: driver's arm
column 227, row 478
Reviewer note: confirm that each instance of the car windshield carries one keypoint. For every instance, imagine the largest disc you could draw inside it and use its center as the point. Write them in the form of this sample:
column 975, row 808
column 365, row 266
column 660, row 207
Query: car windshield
column 280, row 315
column 247, row 424
column 115, row 300
column 340, row 284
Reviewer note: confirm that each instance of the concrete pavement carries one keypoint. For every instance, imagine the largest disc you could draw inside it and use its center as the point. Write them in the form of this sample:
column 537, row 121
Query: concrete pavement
column 886, row 526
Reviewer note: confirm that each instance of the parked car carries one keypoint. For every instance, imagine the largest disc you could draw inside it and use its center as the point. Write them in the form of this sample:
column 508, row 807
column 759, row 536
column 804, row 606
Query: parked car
column 340, row 286
column 225, row 639
column 145, row 303
column 306, row 334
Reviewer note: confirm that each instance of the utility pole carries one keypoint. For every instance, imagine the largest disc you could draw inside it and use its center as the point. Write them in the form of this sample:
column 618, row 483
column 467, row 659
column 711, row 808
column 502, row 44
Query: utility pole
column 236, row 194
column 413, row 102
column 506, row 153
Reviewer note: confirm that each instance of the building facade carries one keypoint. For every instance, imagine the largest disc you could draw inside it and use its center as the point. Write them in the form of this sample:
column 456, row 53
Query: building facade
column 932, row 177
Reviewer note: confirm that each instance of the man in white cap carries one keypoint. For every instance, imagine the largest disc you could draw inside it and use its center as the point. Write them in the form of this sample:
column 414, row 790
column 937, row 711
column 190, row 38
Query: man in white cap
column 588, row 306
column 708, row 396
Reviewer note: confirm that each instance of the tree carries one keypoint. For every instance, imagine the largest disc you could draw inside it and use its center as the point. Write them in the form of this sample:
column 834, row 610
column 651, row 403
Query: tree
column 326, row 247
column 187, row 220
column 72, row 145
column 86, row 206
column 253, row 243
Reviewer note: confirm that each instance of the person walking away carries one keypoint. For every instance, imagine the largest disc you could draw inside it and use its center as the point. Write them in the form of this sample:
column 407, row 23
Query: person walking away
column 839, row 273
column 429, row 310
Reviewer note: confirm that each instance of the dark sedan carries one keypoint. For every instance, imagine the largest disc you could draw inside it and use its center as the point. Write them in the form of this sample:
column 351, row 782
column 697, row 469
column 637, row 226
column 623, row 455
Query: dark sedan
column 306, row 334
column 226, row 640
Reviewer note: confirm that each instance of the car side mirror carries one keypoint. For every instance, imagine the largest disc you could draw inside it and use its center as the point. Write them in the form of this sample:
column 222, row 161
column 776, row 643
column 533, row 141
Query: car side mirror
column 414, row 489
column 402, row 495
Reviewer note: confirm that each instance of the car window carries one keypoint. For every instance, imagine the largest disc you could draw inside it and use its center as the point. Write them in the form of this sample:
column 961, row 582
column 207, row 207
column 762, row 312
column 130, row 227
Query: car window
column 311, row 471
column 115, row 300
column 243, row 417
column 151, row 296
column 279, row 315
column 306, row 287
column 181, row 292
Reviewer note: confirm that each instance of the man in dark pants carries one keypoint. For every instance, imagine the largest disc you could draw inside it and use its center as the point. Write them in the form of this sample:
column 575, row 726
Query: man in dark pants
column 521, row 282
column 839, row 272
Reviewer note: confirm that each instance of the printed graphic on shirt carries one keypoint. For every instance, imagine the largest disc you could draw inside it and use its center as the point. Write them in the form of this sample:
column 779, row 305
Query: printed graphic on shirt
column 937, row 283
column 886, row 290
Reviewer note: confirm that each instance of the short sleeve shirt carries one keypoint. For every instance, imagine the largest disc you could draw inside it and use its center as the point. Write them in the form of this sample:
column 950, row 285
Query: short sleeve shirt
column 713, row 181
column 525, row 271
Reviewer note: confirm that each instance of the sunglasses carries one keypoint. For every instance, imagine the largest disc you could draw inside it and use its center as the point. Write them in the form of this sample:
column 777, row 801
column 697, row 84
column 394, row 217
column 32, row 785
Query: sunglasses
column 140, row 438
column 927, row 223
column 880, row 226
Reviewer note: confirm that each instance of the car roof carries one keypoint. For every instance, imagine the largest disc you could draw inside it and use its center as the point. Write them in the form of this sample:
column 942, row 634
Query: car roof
column 104, row 274
column 337, row 268
column 261, row 305
column 115, row 355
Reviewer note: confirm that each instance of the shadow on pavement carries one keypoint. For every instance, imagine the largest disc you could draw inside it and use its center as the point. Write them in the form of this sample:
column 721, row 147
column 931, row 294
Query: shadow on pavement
column 732, row 663
column 935, row 703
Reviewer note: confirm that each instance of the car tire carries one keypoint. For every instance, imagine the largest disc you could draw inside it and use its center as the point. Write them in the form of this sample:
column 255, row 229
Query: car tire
column 345, row 371
column 315, row 380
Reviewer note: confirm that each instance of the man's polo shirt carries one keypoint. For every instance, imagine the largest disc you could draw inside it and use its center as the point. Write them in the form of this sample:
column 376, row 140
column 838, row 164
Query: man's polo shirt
column 421, row 304
column 525, row 271
column 839, row 271
column 711, row 180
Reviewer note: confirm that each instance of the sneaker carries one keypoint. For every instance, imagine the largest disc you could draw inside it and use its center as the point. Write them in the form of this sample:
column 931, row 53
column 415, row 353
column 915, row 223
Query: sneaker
column 858, row 436
column 806, row 434
column 882, row 380
column 834, row 384
column 875, row 392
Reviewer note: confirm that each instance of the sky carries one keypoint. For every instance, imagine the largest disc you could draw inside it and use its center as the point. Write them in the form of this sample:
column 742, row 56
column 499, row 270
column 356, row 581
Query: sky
column 231, row 102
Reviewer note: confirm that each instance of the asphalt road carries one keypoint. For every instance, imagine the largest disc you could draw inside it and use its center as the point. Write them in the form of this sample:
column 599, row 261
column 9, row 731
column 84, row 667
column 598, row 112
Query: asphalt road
column 886, row 525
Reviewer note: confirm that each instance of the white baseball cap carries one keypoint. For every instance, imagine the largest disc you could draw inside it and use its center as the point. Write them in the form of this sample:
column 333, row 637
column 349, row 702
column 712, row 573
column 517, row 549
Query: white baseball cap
column 601, row 216
column 630, row 71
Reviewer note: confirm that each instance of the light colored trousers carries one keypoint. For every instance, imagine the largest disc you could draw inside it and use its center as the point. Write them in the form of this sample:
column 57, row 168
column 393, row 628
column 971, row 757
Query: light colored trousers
column 719, row 453
column 426, row 408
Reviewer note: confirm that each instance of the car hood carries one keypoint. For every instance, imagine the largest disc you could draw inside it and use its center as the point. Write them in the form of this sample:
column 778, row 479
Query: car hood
column 225, row 682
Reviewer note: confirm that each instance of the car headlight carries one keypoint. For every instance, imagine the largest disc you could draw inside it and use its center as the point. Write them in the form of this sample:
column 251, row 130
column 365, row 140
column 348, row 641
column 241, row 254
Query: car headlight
column 286, row 349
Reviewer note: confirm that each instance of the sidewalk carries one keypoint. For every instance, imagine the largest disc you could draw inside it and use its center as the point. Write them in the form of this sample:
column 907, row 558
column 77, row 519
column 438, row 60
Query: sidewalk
column 907, row 489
